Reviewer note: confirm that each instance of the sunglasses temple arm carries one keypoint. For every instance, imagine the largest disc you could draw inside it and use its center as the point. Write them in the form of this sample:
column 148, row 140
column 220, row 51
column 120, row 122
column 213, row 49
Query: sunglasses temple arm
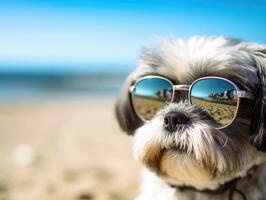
column 245, row 94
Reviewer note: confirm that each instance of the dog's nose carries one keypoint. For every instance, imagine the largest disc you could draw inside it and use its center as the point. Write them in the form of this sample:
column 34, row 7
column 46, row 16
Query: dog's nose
column 173, row 119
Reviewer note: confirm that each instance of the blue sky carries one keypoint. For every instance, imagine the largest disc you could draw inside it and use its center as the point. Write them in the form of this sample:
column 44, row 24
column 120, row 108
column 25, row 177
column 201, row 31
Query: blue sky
column 149, row 87
column 204, row 88
column 37, row 34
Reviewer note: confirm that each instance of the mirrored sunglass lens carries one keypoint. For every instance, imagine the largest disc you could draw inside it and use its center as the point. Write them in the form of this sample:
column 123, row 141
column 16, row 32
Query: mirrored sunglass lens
column 150, row 95
column 218, row 97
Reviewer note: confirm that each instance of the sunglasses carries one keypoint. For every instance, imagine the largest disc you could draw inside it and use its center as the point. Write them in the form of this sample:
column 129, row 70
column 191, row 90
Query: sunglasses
column 217, row 96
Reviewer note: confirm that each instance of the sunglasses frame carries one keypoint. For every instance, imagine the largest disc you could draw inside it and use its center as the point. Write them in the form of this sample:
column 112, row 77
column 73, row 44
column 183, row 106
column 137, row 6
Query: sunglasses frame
column 239, row 93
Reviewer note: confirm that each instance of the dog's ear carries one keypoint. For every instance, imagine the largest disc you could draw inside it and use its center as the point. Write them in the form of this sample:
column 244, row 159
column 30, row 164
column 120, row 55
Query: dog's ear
column 258, row 124
column 125, row 114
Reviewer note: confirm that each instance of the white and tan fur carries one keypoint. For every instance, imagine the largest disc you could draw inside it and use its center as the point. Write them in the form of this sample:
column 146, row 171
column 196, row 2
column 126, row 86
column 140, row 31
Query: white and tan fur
column 197, row 155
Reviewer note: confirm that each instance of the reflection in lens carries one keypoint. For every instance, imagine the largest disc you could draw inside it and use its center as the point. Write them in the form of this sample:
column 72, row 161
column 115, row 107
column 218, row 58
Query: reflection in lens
column 150, row 95
column 216, row 96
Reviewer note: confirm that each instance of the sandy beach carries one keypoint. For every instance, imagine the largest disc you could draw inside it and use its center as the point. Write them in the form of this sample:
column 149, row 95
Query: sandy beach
column 64, row 150
column 221, row 112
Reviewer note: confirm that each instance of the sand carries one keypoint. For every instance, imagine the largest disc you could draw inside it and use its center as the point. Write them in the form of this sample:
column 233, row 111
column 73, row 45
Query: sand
column 64, row 150
column 223, row 113
column 148, row 107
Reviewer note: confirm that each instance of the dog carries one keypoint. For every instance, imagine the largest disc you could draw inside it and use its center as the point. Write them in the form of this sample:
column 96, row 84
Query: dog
column 184, row 156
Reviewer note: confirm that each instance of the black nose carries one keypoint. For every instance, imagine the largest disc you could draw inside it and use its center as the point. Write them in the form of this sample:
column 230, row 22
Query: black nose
column 173, row 119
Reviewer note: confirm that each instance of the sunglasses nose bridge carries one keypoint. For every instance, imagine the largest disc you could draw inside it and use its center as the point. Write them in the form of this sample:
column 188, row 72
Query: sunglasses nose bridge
column 181, row 87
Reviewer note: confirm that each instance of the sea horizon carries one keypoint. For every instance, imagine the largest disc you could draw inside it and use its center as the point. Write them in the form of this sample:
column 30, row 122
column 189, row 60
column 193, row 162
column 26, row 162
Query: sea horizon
column 61, row 83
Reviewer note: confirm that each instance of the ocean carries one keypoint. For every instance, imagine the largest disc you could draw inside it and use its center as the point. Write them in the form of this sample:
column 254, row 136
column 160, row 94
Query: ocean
column 42, row 86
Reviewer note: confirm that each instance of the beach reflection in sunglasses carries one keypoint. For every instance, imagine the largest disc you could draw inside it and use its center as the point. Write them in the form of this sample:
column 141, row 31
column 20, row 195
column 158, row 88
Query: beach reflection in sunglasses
column 151, row 95
column 217, row 97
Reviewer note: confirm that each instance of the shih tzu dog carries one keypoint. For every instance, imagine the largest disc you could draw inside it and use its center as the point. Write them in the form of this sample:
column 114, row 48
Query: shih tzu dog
column 197, row 112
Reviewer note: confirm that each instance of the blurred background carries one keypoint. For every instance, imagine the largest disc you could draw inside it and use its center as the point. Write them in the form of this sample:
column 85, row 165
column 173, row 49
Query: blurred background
column 62, row 63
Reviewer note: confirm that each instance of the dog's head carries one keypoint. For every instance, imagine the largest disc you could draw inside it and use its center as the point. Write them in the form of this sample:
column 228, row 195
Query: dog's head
column 199, row 155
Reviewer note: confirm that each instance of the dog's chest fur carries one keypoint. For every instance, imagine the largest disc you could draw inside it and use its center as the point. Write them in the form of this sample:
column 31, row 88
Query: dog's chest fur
column 154, row 188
